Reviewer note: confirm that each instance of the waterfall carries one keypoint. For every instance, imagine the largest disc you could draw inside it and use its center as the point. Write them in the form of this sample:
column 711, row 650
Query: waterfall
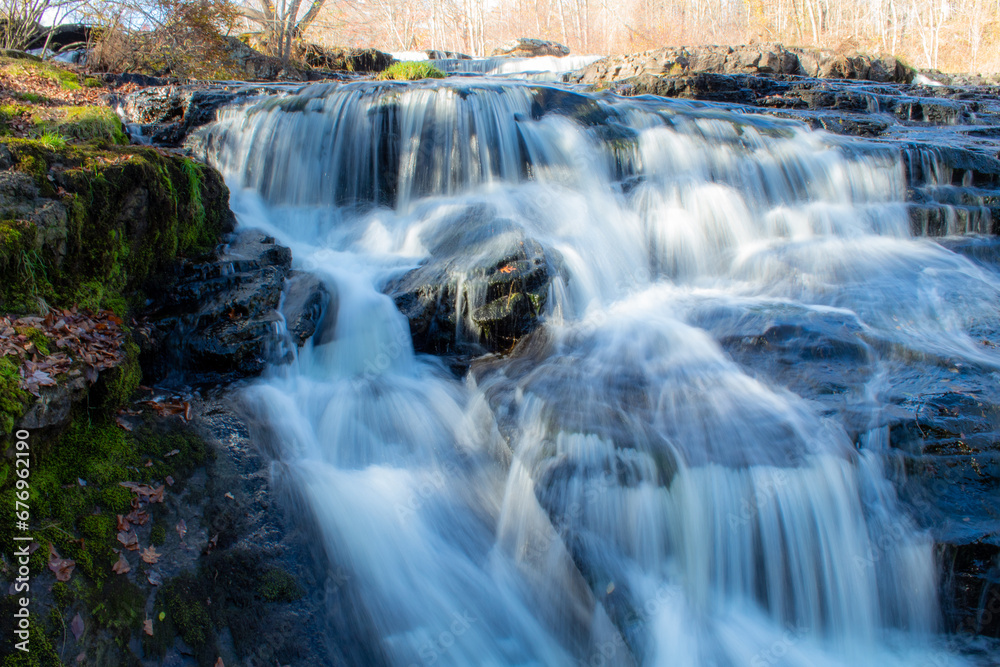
column 684, row 463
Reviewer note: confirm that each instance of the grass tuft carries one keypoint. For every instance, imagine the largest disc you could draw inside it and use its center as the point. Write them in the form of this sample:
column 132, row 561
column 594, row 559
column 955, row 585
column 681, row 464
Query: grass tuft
column 411, row 71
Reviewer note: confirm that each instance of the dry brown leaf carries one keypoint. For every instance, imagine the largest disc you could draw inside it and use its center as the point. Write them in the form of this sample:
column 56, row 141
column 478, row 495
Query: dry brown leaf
column 150, row 556
column 157, row 495
column 61, row 567
column 129, row 540
column 122, row 566
column 147, row 626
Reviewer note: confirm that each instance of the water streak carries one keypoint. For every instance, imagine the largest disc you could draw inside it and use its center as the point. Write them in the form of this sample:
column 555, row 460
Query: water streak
column 624, row 488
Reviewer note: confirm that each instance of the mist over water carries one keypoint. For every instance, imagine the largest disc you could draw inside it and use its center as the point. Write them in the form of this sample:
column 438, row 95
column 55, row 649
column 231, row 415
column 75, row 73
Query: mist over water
column 685, row 463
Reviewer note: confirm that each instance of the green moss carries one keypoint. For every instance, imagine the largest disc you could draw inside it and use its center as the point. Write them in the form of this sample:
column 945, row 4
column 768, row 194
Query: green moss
column 183, row 605
column 13, row 399
column 158, row 535
column 118, row 384
column 97, row 526
column 52, row 140
column 9, row 112
column 37, row 337
column 193, row 171
column 91, row 82
column 118, row 607
column 42, row 652
column 131, row 211
column 82, row 123
column 411, row 71
column 20, row 67
column 279, row 586
column 62, row 594
column 32, row 98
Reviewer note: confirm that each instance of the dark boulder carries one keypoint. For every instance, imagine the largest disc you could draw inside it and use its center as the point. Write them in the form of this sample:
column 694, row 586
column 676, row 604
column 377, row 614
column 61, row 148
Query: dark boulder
column 435, row 54
column 165, row 115
column 768, row 60
column 219, row 318
column 345, row 59
column 62, row 36
column 485, row 289
column 307, row 304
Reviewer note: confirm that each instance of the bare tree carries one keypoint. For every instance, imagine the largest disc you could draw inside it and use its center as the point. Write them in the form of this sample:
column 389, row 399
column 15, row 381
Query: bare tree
column 21, row 20
column 281, row 21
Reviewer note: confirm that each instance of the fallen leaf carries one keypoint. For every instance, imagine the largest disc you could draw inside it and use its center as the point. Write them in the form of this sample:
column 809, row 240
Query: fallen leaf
column 129, row 540
column 230, row 496
column 123, row 524
column 154, row 578
column 138, row 517
column 182, row 528
column 157, row 495
column 122, row 566
column 147, row 626
column 76, row 625
column 150, row 556
column 219, row 663
column 169, row 480
column 172, row 452
column 61, row 567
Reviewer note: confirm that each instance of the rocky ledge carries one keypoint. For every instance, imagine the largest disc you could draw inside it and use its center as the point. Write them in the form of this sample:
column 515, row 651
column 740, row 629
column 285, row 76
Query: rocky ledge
column 159, row 536
column 746, row 59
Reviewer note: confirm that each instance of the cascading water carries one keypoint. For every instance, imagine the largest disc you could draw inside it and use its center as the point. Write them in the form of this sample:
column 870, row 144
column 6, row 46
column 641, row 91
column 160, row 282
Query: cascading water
column 683, row 464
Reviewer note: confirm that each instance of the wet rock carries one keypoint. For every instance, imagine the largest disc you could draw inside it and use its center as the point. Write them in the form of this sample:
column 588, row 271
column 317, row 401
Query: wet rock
column 167, row 114
column 486, row 288
column 307, row 302
column 219, row 317
column 526, row 47
column 53, row 407
column 435, row 54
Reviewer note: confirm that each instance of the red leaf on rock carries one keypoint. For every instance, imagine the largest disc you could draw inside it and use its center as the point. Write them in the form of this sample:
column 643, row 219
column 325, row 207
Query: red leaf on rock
column 147, row 626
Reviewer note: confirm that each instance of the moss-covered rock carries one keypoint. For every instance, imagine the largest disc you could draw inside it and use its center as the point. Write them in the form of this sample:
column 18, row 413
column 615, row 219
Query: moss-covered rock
column 130, row 211
column 13, row 400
